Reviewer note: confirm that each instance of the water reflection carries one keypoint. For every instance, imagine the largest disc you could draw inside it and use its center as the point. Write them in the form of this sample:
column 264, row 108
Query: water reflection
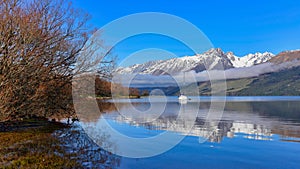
column 251, row 134
column 84, row 150
column 253, row 120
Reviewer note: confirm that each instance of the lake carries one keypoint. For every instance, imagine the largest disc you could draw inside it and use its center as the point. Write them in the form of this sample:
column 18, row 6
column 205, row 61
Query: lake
column 252, row 132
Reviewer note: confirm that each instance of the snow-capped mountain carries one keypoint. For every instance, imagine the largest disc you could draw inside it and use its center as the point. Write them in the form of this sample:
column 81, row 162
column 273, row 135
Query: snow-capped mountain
column 250, row 59
column 213, row 59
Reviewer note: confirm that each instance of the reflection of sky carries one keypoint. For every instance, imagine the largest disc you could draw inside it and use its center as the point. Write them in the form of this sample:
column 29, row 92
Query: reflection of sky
column 230, row 153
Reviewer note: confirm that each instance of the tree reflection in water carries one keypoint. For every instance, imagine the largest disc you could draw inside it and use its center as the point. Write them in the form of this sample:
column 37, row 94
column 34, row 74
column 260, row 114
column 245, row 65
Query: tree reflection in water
column 84, row 150
column 80, row 145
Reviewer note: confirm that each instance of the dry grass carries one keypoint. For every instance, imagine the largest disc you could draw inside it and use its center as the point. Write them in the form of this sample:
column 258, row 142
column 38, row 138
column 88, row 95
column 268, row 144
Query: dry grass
column 31, row 144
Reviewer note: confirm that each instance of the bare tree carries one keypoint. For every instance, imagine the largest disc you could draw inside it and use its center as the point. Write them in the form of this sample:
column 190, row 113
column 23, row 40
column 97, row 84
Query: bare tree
column 40, row 41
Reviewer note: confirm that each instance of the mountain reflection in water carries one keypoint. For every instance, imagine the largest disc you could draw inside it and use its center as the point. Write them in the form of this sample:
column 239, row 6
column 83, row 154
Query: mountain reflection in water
column 251, row 119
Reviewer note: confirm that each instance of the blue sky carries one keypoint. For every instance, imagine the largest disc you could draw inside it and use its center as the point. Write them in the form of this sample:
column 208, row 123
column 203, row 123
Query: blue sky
column 239, row 26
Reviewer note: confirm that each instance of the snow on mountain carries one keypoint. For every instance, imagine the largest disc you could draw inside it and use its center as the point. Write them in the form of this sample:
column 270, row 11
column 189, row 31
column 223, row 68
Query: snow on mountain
column 251, row 59
column 213, row 59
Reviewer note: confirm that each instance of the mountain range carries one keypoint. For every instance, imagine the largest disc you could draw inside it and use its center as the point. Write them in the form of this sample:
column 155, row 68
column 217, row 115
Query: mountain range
column 213, row 59
column 250, row 75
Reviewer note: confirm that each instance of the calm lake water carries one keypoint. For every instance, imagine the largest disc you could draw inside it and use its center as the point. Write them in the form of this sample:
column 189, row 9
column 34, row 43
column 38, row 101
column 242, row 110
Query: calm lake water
column 253, row 132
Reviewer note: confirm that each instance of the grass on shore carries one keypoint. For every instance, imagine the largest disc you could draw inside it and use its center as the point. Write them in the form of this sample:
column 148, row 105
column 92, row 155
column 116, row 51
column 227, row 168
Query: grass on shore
column 31, row 144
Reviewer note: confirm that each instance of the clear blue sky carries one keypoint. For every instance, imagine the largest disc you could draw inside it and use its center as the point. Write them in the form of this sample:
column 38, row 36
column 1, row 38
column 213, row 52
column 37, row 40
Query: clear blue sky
column 239, row 26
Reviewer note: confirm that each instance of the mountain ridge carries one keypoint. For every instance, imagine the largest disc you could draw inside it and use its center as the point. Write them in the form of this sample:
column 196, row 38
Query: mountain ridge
column 213, row 59
column 286, row 56
column 278, row 76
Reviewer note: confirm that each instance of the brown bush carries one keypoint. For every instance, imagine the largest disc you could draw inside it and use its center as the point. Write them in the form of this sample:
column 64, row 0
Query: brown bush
column 39, row 43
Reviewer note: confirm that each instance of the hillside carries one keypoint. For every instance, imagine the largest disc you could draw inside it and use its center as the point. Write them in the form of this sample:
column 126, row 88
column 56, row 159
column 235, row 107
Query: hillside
column 286, row 56
column 283, row 83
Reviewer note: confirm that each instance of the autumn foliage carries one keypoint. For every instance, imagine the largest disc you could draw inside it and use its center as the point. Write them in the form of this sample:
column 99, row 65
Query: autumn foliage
column 104, row 88
column 39, row 44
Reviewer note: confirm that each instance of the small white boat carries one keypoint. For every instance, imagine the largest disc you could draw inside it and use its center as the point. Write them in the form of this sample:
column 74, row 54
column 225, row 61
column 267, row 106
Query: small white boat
column 182, row 97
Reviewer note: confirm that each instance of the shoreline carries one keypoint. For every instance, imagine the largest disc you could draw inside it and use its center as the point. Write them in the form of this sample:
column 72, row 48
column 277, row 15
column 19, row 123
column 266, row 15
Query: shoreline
column 32, row 144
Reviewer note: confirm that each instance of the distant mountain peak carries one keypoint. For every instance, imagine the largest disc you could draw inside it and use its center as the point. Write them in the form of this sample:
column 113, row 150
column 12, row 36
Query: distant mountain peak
column 214, row 51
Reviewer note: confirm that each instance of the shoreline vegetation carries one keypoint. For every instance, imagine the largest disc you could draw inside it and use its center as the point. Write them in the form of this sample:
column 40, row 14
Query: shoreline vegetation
column 39, row 143
column 31, row 144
